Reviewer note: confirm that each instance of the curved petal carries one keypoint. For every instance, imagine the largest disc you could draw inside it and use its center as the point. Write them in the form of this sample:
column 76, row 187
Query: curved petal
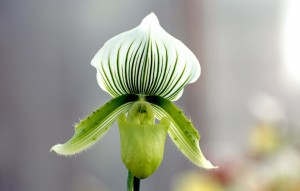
column 145, row 60
column 93, row 127
column 181, row 131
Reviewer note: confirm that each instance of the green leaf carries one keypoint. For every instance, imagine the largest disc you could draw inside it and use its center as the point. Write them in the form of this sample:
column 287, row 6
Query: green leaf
column 93, row 127
column 145, row 60
column 181, row 131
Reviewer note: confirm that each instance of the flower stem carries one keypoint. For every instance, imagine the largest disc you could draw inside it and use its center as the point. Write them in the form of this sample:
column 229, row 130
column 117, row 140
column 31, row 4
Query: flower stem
column 133, row 183
column 130, row 181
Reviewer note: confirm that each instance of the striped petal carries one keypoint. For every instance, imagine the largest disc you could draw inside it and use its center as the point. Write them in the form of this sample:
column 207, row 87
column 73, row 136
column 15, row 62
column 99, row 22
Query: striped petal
column 181, row 131
column 93, row 127
column 145, row 60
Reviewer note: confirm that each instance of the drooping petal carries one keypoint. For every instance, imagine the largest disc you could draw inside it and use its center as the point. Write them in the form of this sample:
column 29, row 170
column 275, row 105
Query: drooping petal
column 181, row 131
column 145, row 60
column 93, row 127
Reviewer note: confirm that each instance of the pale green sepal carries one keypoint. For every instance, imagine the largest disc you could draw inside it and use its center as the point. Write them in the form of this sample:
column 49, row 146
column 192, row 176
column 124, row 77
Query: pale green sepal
column 181, row 131
column 142, row 146
column 93, row 127
column 146, row 60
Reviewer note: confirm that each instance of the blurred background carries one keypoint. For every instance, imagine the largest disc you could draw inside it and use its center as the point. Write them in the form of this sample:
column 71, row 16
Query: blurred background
column 245, row 104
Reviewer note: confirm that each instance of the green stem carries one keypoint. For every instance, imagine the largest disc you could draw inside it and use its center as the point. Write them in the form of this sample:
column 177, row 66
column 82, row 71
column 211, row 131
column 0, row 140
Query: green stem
column 130, row 179
column 133, row 183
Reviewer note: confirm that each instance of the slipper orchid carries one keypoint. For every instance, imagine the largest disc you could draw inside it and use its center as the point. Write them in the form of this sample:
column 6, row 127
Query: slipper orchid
column 143, row 69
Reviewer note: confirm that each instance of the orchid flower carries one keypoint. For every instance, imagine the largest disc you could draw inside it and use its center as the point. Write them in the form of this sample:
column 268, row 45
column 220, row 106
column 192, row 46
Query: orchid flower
column 144, row 70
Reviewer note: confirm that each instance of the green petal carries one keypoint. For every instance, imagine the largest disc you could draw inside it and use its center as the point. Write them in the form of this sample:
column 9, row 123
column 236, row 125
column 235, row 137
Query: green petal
column 181, row 131
column 145, row 60
column 93, row 127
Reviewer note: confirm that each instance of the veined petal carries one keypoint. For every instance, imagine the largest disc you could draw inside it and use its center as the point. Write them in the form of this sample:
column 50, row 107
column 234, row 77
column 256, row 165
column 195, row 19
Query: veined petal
column 181, row 131
column 93, row 127
column 145, row 60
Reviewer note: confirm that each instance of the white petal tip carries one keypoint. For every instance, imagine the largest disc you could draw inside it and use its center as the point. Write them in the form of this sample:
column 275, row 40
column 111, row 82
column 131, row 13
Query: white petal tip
column 55, row 148
column 207, row 165
column 151, row 19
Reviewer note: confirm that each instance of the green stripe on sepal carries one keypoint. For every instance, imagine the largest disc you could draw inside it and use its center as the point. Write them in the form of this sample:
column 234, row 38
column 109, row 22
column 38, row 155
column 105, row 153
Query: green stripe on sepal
column 93, row 127
column 181, row 131
column 146, row 60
